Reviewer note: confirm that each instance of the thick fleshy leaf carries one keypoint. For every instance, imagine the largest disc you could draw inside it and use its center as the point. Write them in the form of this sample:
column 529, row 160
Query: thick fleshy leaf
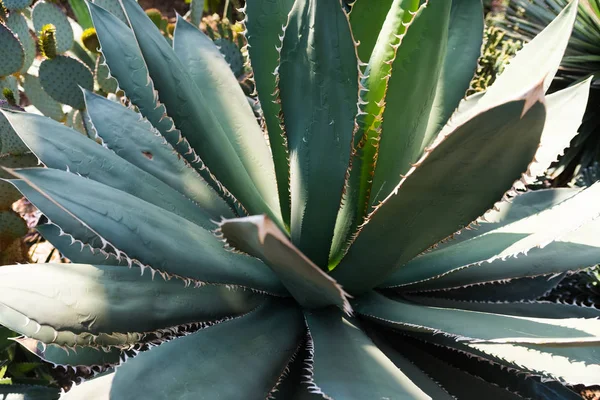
column 373, row 90
column 237, row 359
column 144, row 232
column 260, row 237
column 466, row 172
column 415, row 74
column 60, row 147
column 79, row 356
column 136, row 141
column 75, row 251
column 367, row 19
column 476, row 326
column 126, row 63
column 71, row 304
column 559, row 239
column 318, row 83
column 457, row 382
column 346, row 364
column 539, row 309
column 264, row 22
column 237, row 155
column 465, row 36
column 518, row 289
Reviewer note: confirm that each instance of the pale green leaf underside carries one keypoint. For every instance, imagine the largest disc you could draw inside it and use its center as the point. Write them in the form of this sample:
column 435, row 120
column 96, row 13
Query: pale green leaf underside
column 260, row 237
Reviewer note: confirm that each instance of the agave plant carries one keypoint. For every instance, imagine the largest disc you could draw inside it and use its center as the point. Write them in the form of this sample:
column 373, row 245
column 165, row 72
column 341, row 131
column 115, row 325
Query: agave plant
column 307, row 267
column 524, row 20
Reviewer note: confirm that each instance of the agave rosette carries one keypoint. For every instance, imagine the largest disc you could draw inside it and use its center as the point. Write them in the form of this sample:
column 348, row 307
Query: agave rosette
column 307, row 267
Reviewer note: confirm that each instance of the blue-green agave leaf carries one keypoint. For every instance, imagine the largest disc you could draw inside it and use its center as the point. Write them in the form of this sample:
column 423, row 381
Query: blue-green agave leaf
column 261, row 238
column 77, row 304
column 135, row 140
column 237, row 155
column 318, row 83
column 450, row 186
column 346, row 364
column 79, row 356
column 28, row 392
column 254, row 349
column 146, row 234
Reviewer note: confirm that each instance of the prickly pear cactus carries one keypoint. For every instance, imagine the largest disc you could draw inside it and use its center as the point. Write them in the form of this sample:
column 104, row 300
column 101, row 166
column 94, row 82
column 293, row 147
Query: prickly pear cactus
column 12, row 55
column 62, row 78
column 47, row 13
column 17, row 23
column 15, row 5
column 41, row 99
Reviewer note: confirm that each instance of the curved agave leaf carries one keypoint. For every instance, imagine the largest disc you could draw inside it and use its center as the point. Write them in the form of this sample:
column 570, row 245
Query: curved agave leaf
column 260, row 237
column 318, row 64
column 264, row 21
column 561, row 238
column 59, row 147
column 475, row 326
column 260, row 345
column 367, row 19
column 239, row 158
column 345, row 363
column 77, row 304
column 450, row 176
column 144, row 232
column 28, row 392
column 136, row 141
column 79, row 356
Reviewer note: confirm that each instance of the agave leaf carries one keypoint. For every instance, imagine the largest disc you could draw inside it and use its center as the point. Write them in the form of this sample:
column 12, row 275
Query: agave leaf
column 260, row 237
column 237, row 155
column 137, row 142
column 144, row 232
column 465, row 36
column 475, row 326
column 210, row 72
column 373, row 89
column 541, row 309
column 345, row 363
column 319, row 92
column 264, row 22
column 457, row 382
column 367, row 19
column 254, row 348
column 79, row 356
column 518, row 289
column 559, row 239
column 28, row 392
column 415, row 74
column 455, row 174
column 127, row 65
column 60, row 147
column 77, row 304
column 74, row 251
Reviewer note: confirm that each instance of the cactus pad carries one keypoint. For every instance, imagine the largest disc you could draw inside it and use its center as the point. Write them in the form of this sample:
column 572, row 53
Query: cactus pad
column 12, row 55
column 61, row 77
column 45, row 13
column 10, row 83
column 106, row 82
column 13, row 5
column 75, row 120
column 17, row 23
column 41, row 100
column 113, row 7
column 232, row 54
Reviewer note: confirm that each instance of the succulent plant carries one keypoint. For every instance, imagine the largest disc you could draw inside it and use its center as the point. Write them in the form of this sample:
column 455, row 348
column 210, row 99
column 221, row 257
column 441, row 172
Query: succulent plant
column 321, row 277
column 524, row 19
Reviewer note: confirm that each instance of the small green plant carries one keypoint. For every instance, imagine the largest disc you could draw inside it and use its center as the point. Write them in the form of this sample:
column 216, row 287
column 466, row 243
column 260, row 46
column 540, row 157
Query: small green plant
column 368, row 250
